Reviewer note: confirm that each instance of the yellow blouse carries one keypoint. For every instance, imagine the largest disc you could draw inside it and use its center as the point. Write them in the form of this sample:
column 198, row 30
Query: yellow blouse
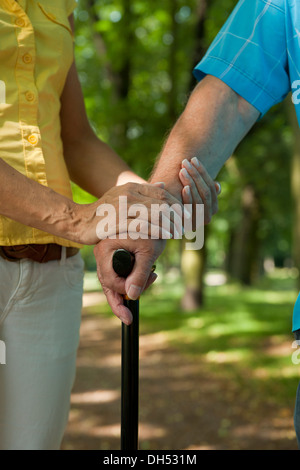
column 35, row 55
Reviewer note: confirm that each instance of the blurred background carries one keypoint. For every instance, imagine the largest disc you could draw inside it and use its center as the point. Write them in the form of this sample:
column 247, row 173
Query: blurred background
column 216, row 345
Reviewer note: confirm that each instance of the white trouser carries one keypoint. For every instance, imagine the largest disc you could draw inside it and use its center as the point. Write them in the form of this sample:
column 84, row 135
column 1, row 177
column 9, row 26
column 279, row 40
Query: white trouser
column 40, row 311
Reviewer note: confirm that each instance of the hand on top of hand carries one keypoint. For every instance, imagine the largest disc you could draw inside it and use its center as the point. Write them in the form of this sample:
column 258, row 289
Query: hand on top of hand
column 198, row 188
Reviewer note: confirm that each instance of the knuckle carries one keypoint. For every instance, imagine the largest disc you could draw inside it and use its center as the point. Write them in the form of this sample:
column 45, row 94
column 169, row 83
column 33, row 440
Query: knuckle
column 127, row 185
column 105, row 290
column 194, row 172
column 201, row 169
column 131, row 186
column 162, row 195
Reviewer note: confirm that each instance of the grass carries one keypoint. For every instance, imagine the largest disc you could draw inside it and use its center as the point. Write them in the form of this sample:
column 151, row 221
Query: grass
column 241, row 334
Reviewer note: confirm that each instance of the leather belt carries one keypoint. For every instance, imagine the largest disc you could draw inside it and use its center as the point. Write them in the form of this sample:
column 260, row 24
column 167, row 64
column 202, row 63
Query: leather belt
column 38, row 253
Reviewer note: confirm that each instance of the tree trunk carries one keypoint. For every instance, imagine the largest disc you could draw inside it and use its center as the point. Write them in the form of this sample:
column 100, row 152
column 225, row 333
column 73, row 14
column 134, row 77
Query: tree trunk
column 200, row 48
column 121, row 78
column 193, row 262
column 230, row 253
column 193, row 268
column 243, row 265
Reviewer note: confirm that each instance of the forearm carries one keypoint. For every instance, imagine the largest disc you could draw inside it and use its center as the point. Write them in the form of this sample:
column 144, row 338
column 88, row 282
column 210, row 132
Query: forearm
column 94, row 166
column 213, row 123
column 34, row 205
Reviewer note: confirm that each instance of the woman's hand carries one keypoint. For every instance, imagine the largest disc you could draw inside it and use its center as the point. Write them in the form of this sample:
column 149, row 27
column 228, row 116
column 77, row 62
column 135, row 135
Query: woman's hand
column 127, row 210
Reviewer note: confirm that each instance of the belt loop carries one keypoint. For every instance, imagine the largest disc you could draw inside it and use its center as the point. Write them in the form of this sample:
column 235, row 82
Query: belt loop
column 63, row 255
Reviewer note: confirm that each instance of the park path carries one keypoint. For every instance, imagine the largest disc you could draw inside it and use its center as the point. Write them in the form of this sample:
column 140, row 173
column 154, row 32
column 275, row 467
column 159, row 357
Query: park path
column 181, row 406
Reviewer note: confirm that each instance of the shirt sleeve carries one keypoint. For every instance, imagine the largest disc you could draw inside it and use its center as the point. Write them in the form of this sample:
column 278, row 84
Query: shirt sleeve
column 250, row 53
column 71, row 5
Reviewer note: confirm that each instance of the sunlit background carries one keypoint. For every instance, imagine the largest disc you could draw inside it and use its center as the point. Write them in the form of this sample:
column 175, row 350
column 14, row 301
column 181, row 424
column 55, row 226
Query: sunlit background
column 216, row 368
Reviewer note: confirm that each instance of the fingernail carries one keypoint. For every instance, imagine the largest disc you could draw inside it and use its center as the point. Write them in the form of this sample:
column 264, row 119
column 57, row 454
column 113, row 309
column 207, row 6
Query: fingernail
column 125, row 320
column 187, row 163
column 185, row 173
column 195, row 161
column 187, row 189
column 134, row 292
column 161, row 184
column 219, row 187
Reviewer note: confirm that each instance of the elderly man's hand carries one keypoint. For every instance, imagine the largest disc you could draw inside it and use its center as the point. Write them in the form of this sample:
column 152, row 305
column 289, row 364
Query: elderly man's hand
column 141, row 277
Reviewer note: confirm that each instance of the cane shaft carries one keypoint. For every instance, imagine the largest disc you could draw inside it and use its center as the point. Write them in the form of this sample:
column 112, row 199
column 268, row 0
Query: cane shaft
column 130, row 379
column 123, row 263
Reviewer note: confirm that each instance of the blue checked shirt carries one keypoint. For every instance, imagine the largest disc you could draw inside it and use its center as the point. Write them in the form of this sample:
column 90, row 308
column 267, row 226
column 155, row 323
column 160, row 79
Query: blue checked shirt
column 257, row 54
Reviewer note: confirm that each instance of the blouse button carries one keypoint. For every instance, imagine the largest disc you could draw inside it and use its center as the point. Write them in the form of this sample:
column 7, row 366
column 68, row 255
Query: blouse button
column 27, row 58
column 33, row 139
column 20, row 22
column 29, row 96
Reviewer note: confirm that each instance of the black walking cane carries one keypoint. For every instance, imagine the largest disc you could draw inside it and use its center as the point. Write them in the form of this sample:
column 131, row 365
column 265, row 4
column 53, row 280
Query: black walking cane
column 123, row 263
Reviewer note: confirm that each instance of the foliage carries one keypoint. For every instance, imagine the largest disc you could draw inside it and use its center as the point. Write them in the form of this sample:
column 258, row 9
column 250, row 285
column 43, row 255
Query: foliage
column 243, row 335
column 135, row 62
